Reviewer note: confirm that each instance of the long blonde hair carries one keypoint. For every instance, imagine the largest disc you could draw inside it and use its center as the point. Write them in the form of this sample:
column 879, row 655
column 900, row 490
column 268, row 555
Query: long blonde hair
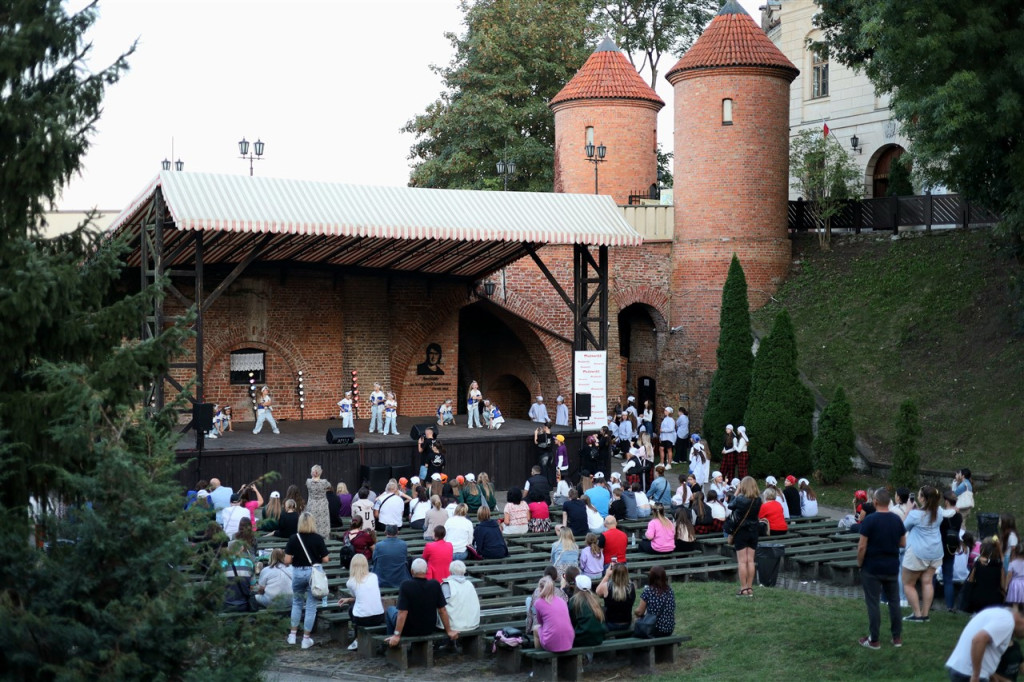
column 620, row 582
column 748, row 488
column 592, row 601
column 566, row 539
column 359, row 568
column 272, row 510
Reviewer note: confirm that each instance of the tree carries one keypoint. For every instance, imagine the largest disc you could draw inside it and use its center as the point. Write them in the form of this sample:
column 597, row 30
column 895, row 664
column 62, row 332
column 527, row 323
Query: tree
column 833, row 448
column 824, row 173
column 104, row 596
column 906, row 459
column 513, row 58
column 952, row 70
column 780, row 409
column 647, row 29
column 900, row 184
column 730, row 385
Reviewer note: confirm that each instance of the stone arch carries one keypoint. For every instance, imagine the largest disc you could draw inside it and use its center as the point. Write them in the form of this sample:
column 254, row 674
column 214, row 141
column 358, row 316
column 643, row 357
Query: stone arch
column 642, row 333
column 655, row 298
column 876, row 175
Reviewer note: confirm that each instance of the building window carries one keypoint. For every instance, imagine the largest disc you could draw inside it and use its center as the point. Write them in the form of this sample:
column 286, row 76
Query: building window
column 727, row 112
column 819, row 74
column 590, row 135
column 248, row 364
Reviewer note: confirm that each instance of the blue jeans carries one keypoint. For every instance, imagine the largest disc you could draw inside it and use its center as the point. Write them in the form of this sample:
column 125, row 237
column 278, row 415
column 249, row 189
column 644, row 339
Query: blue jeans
column 460, row 556
column 377, row 418
column 346, row 420
column 873, row 586
column 302, row 596
column 391, row 619
column 262, row 416
column 947, row 581
column 390, row 423
column 474, row 415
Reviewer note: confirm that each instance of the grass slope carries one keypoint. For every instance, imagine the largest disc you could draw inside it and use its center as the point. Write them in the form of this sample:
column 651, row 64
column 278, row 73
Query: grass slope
column 925, row 317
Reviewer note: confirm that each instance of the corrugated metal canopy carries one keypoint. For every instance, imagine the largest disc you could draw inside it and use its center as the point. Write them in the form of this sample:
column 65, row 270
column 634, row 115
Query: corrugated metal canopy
column 463, row 233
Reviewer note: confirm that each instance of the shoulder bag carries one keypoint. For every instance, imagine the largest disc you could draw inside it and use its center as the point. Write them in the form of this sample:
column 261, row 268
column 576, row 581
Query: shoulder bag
column 732, row 536
column 317, row 579
column 965, row 500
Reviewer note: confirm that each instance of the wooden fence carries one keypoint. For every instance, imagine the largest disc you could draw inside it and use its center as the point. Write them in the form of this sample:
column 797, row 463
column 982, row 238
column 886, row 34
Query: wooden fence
column 892, row 213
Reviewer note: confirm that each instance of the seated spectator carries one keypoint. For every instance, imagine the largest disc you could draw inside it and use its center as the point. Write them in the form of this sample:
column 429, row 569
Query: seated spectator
column 271, row 513
column 367, row 606
column 586, row 615
column 568, row 583
column 619, row 595
column 361, row 539
column 420, row 605
column 772, row 512
column 643, row 503
column 462, row 602
column 592, row 557
column 629, row 500
column 808, row 500
column 487, row 537
column 561, row 488
column 683, row 493
column 288, row 522
column 659, row 599
column 703, row 516
column 574, row 513
column 618, row 506
column 791, row 497
column 660, row 536
column 613, row 541
column 419, row 507
column 553, row 628
column 459, row 532
column 517, row 514
column 363, row 508
column 436, row 516
column 237, row 568
column 391, row 559
column 245, row 540
column 344, row 501
column 438, row 555
column 718, row 511
column 686, row 536
column 564, row 551
column 470, row 494
column 274, row 589
column 531, row 612
column 540, row 517
column 595, row 522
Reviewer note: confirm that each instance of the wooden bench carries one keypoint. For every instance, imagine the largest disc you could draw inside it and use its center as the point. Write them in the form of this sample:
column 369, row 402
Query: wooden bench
column 644, row 654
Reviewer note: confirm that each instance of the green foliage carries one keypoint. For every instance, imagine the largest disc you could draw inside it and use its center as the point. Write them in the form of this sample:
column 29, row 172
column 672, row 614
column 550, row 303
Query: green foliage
column 833, row 447
column 665, row 178
column 953, row 71
column 513, row 58
column 899, row 178
column 780, row 408
column 650, row 28
column 906, row 458
column 730, row 385
column 108, row 597
column 823, row 172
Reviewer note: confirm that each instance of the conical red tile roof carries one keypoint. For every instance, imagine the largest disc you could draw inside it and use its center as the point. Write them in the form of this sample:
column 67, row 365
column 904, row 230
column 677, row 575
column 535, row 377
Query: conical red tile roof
column 607, row 74
column 733, row 38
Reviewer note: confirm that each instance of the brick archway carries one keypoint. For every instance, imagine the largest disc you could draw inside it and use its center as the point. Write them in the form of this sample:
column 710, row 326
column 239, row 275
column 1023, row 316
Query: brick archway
column 655, row 298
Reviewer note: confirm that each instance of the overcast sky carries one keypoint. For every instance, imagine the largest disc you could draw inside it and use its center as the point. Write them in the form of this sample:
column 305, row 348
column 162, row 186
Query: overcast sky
column 326, row 85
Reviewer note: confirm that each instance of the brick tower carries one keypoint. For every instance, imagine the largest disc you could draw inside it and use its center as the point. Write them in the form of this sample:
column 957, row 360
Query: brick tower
column 606, row 102
column 731, row 173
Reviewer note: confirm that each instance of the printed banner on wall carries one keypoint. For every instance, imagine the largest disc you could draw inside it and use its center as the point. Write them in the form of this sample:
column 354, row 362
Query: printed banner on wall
column 592, row 377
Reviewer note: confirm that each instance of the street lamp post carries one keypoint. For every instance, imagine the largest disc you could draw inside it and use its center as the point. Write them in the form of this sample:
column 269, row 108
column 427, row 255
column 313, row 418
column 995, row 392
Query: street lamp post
column 595, row 155
column 505, row 169
column 257, row 147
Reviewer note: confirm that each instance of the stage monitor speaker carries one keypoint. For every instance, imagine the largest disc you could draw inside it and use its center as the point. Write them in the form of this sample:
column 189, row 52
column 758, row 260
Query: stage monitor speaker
column 420, row 430
column 202, row 416
column 340, row 436
column 376, row 477
column 402, row 471
column 583, row 406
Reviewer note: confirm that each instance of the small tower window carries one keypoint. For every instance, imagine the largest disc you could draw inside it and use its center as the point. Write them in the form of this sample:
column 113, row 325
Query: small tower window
column 590, row 135
column 727, row 112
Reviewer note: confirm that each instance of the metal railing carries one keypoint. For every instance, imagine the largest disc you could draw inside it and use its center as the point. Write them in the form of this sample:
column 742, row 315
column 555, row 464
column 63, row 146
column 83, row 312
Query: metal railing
column 892, row 213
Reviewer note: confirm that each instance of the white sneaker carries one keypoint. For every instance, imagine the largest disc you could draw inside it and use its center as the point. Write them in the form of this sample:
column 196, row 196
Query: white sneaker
column 354, row 646
column 211, row 435
column 277, row 432
column 307, row 642
column 255, row 433
column 291, row 638
column 667, row 467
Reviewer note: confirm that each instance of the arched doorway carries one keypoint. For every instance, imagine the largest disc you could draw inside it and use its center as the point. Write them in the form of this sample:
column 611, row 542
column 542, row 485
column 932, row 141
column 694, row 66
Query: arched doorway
column 883, row 166
column 638, row 350
column 492, row 352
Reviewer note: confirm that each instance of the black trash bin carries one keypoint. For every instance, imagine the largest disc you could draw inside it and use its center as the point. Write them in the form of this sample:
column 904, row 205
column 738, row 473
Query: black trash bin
column 988, row 525
column 768, row 559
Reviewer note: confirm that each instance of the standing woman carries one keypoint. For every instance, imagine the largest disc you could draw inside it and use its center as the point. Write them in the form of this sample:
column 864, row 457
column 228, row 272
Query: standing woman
column 949, row 531
column 367, row 606
column 700, row 463
column 742, row 452
column 729, row 453
column 668, row 438
column 660, row 536
column 924, row 553
column 304, row 549
column 318, row 506
column 647, row 418
column 743, row 525
column 473, row 398
column 963, row 486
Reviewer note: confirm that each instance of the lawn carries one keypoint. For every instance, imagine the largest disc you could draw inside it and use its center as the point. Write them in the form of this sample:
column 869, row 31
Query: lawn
column 781, row 634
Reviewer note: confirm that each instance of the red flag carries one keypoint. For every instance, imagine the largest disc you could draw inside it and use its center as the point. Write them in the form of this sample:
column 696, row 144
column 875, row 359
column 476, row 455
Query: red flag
column 826, row 130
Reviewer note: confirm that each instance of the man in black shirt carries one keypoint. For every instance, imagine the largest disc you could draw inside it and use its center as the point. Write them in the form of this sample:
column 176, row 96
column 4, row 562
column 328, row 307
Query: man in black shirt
column 420, row 603
column 537, row 487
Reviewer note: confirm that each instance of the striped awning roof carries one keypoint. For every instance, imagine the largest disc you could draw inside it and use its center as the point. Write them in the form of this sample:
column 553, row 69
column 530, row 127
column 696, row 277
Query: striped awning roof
column 463, row 233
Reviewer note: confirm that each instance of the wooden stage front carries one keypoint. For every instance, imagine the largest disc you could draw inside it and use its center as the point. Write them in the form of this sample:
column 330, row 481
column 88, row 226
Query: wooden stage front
column 239, row 457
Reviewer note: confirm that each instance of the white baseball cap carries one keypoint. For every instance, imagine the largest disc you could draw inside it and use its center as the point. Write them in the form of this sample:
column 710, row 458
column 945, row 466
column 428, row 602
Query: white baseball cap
column 470, row 478
column 435, row 477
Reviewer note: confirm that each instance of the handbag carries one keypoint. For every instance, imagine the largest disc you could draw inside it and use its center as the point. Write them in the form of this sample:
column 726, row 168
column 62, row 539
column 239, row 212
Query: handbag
column 243, row 588
column 644, row 628
column 317, row 579
column 965, row 500
column 732, row 536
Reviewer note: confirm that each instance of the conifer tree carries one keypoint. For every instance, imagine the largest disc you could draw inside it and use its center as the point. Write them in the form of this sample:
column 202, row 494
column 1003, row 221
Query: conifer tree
column 780, row 409
column 730, row 385
column 834, row 445
column 906, row 459
column 91, row 521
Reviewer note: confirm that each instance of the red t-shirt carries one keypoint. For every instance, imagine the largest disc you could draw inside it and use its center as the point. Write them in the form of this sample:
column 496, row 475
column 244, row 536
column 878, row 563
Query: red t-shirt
column 776, row 518
column 614, row 545
column 438, row 555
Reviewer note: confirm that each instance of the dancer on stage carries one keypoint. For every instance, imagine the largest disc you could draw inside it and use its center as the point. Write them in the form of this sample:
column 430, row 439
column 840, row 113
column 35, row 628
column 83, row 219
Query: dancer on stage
column 264, row 410
column 539, row 412
column 473, row 404
column 485, row 412
column 496, row 419
column 345, row 405
column 561, row 412
column 376, row 409
column 444, row 413
column 390, row 415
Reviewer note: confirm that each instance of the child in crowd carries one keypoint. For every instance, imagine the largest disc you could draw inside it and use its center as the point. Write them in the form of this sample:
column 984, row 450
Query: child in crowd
column 345, row 410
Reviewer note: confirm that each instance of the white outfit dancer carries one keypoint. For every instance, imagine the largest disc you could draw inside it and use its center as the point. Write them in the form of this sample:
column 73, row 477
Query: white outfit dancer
column 390, row 415
column 377, row 409
column 264, row 412
column 473, row 405
column 496, row 419
column 345, row 405
column 701, row 470
column 561, row 412
column 539, row 411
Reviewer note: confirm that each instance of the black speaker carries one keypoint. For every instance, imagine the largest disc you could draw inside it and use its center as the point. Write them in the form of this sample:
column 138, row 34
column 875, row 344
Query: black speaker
column 202, row 416
column 340, row 436
column 583, row 406
column 403, row 471
column 377, row 477
column 421, row 430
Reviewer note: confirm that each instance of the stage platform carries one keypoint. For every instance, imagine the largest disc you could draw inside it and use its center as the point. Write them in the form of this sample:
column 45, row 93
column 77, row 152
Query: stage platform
column 240, row 456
